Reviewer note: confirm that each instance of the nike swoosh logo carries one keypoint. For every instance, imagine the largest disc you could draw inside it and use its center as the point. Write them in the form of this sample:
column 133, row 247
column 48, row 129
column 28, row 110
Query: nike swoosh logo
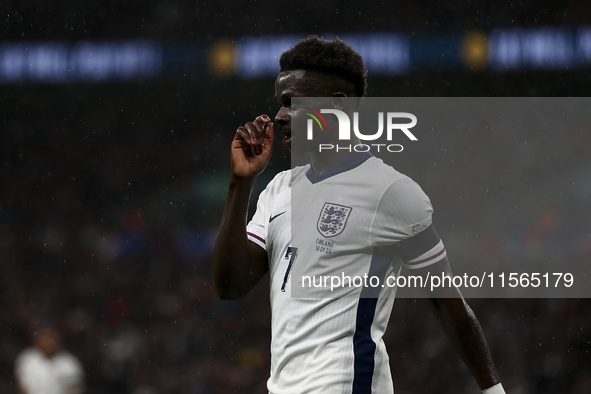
column 275, row 217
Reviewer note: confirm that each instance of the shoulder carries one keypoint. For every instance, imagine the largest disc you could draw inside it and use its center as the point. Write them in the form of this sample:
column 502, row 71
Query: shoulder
column 404, row 202
column 383, row 172
column 279, row 181
column 28, row 362
column 395, row 184
column 68, row 361
column 27, row 355
column 66, row 356
column 283, row 179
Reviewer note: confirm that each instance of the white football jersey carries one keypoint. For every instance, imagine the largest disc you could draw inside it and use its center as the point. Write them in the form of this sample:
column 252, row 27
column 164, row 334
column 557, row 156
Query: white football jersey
column 38, row 374
column 361, row 217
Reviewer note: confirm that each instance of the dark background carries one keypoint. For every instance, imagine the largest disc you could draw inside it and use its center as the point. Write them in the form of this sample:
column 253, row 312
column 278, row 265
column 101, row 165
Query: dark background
column 111, row 194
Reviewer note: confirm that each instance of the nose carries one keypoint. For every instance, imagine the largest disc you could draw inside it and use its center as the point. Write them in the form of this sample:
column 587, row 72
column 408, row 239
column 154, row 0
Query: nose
column 282, row 117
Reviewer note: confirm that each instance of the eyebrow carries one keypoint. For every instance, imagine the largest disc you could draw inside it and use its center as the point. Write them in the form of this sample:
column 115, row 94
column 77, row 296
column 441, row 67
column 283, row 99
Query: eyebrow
column 289, row 95
column 284, row 97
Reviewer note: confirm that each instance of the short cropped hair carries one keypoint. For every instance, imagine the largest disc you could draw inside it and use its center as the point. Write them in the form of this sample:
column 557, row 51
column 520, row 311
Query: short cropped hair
column 331, row 57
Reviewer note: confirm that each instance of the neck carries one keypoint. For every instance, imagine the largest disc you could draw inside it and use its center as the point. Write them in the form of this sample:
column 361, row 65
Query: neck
column 325, row 161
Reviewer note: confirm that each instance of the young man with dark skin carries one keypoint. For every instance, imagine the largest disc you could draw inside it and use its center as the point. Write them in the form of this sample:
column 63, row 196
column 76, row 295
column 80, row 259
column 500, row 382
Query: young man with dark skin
column 330, row 345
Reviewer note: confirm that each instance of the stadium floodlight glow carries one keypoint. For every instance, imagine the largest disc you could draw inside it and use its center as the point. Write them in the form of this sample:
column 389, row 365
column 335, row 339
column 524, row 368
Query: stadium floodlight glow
column 385, row 54
column 83, row 61
column 545, row 48
column 500, row 50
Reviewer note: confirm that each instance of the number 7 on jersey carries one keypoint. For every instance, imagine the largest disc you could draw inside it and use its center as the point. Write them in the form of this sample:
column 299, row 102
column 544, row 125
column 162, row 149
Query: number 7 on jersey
column 291, row 254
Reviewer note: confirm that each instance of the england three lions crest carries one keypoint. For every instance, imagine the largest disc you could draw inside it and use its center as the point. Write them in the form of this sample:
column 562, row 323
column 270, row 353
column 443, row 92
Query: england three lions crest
column 332, row 220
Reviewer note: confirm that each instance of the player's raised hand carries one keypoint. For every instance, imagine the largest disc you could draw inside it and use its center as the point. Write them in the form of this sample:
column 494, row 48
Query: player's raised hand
column 252, row 147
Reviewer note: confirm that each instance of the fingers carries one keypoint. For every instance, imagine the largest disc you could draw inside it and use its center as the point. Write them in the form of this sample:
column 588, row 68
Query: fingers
column 254, row 135
column 257, row 129
column 246, row 142
column 269, row 134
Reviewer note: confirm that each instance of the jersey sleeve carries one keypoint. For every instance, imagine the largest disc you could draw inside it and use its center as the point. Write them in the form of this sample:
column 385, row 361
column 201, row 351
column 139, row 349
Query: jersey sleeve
column 404, row 218
column 256, row 229
column 74, row 373
column 20, row 367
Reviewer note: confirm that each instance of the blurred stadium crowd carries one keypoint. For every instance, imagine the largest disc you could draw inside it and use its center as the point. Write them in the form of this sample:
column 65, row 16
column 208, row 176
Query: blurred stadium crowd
column 111, row 194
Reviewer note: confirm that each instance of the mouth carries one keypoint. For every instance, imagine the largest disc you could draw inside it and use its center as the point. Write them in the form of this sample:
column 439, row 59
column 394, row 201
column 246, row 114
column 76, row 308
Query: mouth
column 286, row 139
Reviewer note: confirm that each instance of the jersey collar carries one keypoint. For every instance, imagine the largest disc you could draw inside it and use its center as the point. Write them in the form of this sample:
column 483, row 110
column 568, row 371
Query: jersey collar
column 350, row 162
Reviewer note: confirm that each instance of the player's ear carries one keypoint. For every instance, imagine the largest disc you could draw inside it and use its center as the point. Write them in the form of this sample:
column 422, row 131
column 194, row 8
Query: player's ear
column 338, row 100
